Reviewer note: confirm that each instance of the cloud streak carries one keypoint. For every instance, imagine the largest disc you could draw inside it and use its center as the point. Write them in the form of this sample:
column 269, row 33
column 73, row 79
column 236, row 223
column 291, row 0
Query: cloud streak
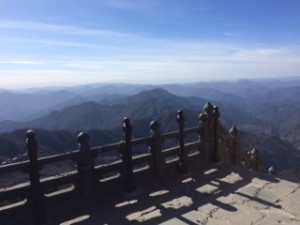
column 110, row 56
column 242, row 63
column 61, row 29
column 21, row 62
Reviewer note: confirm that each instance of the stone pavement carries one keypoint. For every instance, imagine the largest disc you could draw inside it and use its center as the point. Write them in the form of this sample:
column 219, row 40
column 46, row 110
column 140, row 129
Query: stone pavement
column 213, row 195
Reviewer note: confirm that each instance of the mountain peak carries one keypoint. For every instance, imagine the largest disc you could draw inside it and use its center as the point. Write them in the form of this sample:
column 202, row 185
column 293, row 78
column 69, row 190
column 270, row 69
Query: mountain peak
column 155, row 93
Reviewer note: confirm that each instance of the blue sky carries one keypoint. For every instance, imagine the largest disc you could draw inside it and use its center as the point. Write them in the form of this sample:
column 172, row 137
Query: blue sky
column 47, row 42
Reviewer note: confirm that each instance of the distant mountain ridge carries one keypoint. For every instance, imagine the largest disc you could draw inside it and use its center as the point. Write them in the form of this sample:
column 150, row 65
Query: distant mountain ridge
column 267, row 116
column 150, row 104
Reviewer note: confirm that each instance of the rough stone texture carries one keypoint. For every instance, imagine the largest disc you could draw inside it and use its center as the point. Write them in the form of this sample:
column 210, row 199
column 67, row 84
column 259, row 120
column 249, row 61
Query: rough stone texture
column 218, row 194
column 274, row 218
column 291, row 203
column 242, row 215
column 258, row 198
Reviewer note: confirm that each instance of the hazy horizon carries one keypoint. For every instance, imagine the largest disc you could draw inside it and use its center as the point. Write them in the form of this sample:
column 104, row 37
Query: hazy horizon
column 20, row 87
column 139, row 41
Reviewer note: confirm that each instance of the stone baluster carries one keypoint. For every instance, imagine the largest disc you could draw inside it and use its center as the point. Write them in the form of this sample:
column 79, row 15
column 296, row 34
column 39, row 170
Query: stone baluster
column 255, row 163
column 155, row 148
column 201, row 133
column 209, row 137
column 216, row 116
column 235, row 146
column 85, row 166
column 130, row 185
column 36, row 196
column 182, row 154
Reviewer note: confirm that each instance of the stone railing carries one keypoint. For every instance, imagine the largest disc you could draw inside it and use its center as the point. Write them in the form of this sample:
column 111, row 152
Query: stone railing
column 164, row 155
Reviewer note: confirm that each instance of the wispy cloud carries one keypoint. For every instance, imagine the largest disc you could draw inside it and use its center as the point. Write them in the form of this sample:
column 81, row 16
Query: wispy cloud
column 133, row 4
column 262, row 55
column 233, row 33
column 86, row 65
column 21, row 62
column 166, row 7
column 135, row 58
column 61, row 29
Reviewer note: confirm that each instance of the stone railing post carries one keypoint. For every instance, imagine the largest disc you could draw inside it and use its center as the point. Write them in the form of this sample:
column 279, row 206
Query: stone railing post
column 127, row 157
column 255, row 163
column 183, row 154
column 201, row 133
column 235, row 146
column 272, row 170
column 36, row 195
column 208, row 123
column 155, row 148
column 216, row 116
column 85, row 166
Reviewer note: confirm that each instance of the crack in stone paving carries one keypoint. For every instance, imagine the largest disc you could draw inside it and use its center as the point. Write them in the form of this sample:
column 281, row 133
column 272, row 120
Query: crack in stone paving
column 292, row 192
column 260, row 219
column 256, row 193
column 285, row 210
column 211, row 212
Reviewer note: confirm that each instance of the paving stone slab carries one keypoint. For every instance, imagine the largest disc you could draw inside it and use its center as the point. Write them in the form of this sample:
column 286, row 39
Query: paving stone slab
column 280, row 190
column 274, row 218
column 174, row 221
column 259, row 198
column 222, row 195
column 289, row 183
column 292, row 203
column 208, row 189
column 195, row 217
column 244, row 215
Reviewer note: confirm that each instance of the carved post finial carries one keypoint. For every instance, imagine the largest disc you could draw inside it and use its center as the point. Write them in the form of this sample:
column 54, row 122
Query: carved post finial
column 154, row 127
column 208, row 108
column 233, row 131
column 31, row 143
column 83, row 139
column 126, row 125
column 30, row 134
column 216, row 112
column 272, row 170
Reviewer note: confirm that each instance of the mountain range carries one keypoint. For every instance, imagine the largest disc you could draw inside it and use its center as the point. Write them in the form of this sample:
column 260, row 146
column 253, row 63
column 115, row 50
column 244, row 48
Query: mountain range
column 267, row 112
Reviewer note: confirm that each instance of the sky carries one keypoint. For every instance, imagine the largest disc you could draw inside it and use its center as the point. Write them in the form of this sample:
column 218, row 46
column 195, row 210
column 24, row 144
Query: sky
column 66, row 42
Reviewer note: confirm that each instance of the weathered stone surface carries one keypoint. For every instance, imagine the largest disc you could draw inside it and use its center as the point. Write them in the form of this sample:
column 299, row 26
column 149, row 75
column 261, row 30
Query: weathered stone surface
column 144, row 215
column 195, row 217
column 274, row 218
column 291, row 203
column 242, row 215
column 280, row 190
column 174, row 221
column 232, row 178
column 177, row 203
column 257, row 197
column 207, row 189
column 217, row 195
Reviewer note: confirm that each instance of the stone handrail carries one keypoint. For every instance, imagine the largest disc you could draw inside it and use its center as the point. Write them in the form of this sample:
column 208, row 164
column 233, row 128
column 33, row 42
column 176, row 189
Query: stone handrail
column 89, row 178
